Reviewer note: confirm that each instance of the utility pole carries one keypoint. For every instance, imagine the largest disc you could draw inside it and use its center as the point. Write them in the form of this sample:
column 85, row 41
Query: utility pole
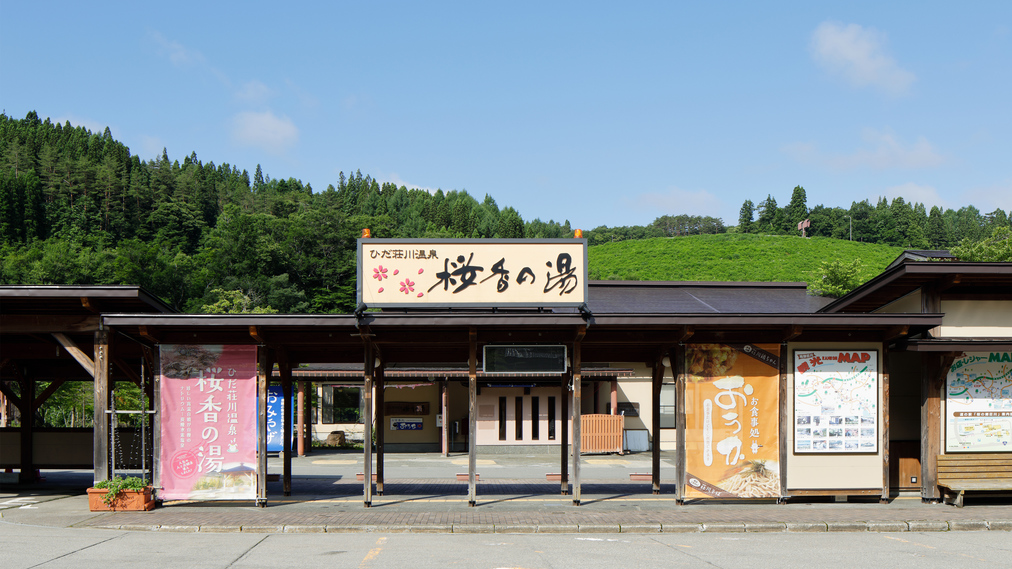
column 850, row 222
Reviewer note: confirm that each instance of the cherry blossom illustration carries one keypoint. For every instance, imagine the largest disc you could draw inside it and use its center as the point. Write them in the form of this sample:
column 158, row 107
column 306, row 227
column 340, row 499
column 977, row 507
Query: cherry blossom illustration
column 380, row 273
column 407, row 286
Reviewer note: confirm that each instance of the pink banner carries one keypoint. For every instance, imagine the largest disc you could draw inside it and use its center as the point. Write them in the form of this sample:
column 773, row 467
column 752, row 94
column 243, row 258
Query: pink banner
column 208, row 422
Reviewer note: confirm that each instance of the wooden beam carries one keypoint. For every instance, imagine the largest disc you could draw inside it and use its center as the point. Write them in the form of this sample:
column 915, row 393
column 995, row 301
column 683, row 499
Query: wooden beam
column 11, row 396
column 785, row 424
column 381, row 426
column 792, row 332
column 86, row 303
column 934, row 369
column 128, row 371
column 87, row 363
column 27, row 462
column 687, row 332
column 49, row 391
column 27, row 324
column 255, row 334
column 895, row 332
column 148, row 335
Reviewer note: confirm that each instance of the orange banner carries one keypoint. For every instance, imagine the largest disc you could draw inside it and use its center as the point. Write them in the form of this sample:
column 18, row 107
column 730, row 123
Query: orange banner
column 732, row 421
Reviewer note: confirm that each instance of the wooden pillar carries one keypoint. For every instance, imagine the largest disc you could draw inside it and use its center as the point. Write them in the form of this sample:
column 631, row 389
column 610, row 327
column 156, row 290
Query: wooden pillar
column 300, row 418
column 156, row 428
column 679, row 372
column 564, row 439
column 27, row 410
column 472, row 415
column 884, row 499
column 444, row 435
column 368, row 419
column 614, row 397
column 264, row 371
column 655, row 425
column 381, row 427
column 101, row 375
column 577, row 409
column 785, row 424
column 934, row 368
column 285, row 371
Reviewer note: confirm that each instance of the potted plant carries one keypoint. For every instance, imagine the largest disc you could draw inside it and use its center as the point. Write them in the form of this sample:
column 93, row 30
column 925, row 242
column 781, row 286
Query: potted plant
column 130, row 493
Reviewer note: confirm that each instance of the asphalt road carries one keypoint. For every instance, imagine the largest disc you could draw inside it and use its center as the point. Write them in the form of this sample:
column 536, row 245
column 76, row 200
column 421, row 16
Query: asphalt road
column 44, row 547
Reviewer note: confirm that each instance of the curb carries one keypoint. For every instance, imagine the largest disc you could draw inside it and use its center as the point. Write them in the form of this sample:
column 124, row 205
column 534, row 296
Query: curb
column 896, row 526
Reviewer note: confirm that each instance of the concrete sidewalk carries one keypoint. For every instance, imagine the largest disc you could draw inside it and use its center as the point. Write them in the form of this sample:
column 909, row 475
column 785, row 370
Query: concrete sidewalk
column 422, row 495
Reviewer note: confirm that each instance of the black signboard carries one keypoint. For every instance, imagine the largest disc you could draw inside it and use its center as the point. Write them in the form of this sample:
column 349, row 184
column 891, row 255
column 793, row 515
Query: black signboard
column 525, row 359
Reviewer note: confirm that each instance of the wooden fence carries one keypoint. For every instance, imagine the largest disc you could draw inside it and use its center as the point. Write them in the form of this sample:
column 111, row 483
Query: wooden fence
column 601, row 433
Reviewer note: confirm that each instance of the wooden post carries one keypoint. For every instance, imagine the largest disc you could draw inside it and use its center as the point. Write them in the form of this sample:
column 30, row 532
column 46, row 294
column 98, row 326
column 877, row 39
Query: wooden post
column 27, row 410
column 156, row 428
column 614, row 397
column 381, row 427
column 368, row 419
column 885, row 423
column 308, row 434
column 564, row 445
column 577, row 409
column 444, row 431
column 285, row 371
column 655, row 425
column 934, row 369
column 679, row 371
column 785, row 424
column 472, row 413
column 101, row 437
column 264, row 371
column 300, row 418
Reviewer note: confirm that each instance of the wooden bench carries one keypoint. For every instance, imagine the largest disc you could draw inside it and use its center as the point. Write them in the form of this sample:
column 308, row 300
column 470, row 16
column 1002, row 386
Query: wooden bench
column 959, row 473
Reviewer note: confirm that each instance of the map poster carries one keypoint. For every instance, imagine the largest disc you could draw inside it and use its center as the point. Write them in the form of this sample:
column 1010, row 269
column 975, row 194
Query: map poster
column 835, row 401
column 732, row 421
column 978, row 403
column 208, row 422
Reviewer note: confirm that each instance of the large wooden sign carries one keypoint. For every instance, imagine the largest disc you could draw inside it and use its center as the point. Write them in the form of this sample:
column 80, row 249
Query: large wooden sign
column 487, row 273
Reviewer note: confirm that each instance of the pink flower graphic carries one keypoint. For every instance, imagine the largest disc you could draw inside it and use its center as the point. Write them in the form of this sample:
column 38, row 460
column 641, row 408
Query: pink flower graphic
column 379, row 273
column 407, row 286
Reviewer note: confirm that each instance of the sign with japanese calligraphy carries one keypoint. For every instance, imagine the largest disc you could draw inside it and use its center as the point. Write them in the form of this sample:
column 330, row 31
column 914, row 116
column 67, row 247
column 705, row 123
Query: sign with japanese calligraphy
column 208, row 422
column 732, row 421
column 978, row 403
column 473, row 273
column 405, row 424
column 835, row 401
column 275, row 425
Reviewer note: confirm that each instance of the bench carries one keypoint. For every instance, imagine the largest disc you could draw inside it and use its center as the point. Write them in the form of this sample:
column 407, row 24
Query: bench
column 960, row 473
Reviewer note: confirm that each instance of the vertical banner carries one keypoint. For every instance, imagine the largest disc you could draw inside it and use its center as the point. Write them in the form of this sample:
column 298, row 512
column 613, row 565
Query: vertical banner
column 275, row 412
column 208, row 422
column 978, row 403
column 835, row 401
column 732, row 421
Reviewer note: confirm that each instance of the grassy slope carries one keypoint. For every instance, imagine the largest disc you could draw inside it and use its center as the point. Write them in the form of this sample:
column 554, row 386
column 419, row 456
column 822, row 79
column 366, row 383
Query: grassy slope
column 731, row 257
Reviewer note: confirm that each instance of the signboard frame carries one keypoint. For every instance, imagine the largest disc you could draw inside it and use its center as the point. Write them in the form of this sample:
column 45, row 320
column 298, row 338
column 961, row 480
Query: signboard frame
column 547, row 300
column 951, row 419
column 485, row 359
column 860, row 422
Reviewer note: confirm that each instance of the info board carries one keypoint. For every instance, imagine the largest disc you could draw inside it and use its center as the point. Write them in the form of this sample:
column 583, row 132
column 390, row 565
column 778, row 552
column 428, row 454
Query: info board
column 978, row 403
column 835, row 401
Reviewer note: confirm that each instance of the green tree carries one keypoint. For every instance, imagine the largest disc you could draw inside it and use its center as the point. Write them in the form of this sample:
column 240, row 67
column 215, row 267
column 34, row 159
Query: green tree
column 835, row 278
column 745, row 217
column 996, row 248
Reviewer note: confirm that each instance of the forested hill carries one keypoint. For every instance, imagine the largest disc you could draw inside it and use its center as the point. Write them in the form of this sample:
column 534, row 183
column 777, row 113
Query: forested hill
column 78, row 208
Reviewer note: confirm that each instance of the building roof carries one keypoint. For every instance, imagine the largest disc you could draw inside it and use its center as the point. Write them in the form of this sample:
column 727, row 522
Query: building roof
column 954, row 279
column 609, row 297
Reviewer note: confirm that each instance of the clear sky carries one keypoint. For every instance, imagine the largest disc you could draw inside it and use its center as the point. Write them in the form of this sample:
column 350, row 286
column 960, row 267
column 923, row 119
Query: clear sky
column 600, row 113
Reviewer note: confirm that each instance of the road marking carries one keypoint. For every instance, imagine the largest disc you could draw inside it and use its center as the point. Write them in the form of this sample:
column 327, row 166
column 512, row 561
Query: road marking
column 373, row 552
column 342, row 462
column 24, row 503
column 464, row 462
column 615, row 461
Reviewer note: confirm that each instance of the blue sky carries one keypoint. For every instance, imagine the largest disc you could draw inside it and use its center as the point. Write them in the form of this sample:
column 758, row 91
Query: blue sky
column 599, row 113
